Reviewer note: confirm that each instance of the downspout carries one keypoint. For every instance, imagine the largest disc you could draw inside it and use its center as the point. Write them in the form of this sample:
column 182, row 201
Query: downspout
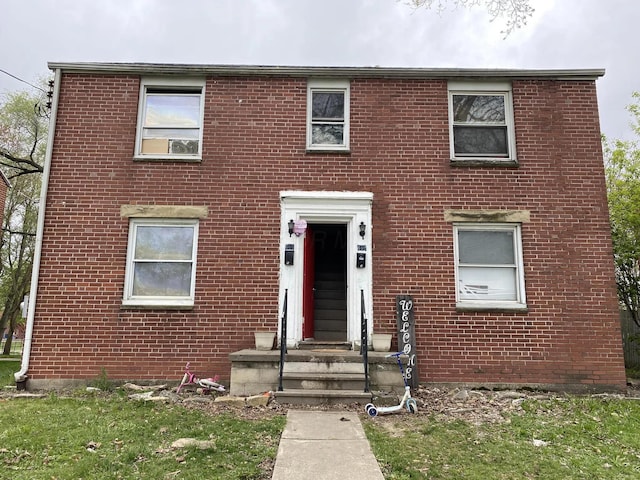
column 21, row 376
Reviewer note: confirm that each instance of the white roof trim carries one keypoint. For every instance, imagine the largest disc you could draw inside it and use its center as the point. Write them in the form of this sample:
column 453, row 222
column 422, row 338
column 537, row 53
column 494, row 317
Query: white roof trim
column 320, row 71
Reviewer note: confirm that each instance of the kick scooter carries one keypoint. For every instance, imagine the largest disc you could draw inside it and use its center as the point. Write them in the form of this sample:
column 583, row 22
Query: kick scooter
column 405, row 402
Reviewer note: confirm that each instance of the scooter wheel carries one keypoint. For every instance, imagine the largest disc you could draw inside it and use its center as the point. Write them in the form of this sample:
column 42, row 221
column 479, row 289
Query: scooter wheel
column 412, row 406
column 371, row 409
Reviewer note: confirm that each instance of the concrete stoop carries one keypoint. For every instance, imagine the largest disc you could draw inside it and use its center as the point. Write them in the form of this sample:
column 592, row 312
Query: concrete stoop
column 322, row 397
column 313, row 377
column 323, row 376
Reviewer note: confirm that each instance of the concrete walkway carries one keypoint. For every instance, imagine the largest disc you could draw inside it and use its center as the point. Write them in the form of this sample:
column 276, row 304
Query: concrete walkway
column 326, row 446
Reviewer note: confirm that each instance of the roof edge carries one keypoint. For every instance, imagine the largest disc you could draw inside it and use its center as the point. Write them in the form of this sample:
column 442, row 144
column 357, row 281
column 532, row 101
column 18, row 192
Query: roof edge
column 320, row 71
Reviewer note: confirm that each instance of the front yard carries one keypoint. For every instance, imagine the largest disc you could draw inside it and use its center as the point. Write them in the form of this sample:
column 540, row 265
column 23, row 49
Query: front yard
column 511, row 435
column 457, row 434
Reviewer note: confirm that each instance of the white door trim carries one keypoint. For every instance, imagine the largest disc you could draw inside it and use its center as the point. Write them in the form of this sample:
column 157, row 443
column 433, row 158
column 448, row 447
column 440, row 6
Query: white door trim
column 348, row 208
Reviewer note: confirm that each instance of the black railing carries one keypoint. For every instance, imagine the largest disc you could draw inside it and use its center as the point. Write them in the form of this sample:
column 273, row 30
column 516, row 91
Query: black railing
column 364, row 347
column 283, row 339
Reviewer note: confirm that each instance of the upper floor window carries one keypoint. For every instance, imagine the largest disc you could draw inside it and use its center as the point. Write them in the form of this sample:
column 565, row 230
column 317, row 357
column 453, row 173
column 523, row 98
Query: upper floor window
column 489, row 272
column 170, row 119
column 161, row 262
column 328, row 115
column 481, row 122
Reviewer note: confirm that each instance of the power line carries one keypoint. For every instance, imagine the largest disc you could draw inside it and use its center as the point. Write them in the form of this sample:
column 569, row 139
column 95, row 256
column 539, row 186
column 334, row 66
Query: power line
column 23, row 81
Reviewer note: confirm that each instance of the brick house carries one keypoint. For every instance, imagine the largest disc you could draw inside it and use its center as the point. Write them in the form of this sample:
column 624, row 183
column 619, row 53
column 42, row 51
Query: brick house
column 182, row 201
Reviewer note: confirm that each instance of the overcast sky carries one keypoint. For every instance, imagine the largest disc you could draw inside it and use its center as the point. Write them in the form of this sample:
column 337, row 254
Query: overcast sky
column 386, row 33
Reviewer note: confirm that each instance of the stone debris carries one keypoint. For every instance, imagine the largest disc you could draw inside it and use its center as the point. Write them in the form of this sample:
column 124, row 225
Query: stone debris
column 143, row 388
column 149, row 397
column 539, row 443
column 193, row 442
column 461, row 395
column 28, row 395
column 251, row 401
column 259, row 400
column 92, row 447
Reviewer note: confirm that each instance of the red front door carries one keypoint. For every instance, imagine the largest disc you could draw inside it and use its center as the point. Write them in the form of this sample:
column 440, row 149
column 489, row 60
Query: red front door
column 308, row 285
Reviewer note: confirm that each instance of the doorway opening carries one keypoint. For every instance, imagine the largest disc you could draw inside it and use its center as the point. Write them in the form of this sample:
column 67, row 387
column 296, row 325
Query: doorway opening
column 325, row 282
column 331, row 277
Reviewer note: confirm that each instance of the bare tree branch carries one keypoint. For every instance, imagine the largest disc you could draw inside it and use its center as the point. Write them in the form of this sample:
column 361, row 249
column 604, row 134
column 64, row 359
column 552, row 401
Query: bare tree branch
column 20, row 164
column 515, row 12
column 17, row 232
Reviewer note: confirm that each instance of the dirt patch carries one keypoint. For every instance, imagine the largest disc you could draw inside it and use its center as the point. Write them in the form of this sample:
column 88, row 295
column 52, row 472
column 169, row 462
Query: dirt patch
column 444, row 404
column 473, row 406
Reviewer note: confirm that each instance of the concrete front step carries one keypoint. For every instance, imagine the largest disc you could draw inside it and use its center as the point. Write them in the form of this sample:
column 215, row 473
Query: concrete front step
column 323, row 381
column 254, row 372
column 323, row 362
column 322, row 333
column 322, row 397
column 329, row 346
column 323, row 367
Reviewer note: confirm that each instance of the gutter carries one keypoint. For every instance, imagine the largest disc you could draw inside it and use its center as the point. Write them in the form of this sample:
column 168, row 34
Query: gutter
column 321, row 71
column 21, row 376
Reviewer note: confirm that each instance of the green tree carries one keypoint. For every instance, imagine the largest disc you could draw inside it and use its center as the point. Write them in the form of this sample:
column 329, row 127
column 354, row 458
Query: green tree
column 19, row 228
column 622, row 164
column 24, row 124
column 23, row 136
column 515, row 12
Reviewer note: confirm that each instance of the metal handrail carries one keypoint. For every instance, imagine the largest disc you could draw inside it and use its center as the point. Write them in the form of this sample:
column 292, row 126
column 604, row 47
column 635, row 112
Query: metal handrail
column 283, row 339
column 364, row 347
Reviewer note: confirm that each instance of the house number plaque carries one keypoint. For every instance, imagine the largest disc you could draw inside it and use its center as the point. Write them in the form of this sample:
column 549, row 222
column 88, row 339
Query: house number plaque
column 407, row 337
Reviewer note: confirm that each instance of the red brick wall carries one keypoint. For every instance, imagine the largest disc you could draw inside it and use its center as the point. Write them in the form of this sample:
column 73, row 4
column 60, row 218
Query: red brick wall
column 254, row 147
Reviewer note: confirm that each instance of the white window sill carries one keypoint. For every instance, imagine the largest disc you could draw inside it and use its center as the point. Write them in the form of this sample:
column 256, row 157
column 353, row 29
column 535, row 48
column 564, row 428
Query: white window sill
column 168, row 158
column 168, row 304
column 479, row 306
column 328, row 149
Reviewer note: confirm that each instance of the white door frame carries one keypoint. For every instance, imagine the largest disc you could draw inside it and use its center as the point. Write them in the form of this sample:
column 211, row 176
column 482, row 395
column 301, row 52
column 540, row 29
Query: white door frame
column 348, row 208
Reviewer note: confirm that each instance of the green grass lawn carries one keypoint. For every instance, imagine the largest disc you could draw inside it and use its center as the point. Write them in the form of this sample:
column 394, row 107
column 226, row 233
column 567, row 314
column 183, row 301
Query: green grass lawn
column 112, row 437
column 8, row 366
column 563, row 438
column 109, row 436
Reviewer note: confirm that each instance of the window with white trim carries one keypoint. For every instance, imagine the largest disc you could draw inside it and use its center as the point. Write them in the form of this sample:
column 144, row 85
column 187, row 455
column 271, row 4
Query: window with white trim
column 161, row 262
column 328, row 115
column 170, row 120
column 481, row 122
column 489, row 271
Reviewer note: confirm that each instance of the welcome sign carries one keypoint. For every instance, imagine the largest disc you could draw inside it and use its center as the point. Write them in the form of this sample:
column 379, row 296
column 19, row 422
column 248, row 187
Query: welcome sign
column 407, row 336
